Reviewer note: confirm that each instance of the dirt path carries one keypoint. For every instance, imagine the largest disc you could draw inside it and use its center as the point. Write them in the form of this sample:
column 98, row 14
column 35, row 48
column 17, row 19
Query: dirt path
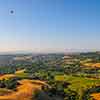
column 25, row 90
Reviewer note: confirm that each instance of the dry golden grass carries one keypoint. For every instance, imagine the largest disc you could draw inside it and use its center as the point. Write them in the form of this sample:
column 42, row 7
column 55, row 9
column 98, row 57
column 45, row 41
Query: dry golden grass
column 20, row 71
column 7, row 76
column 92, row 65
column 25, row 90
column 97, row 65
column 59, row 78
column 96, row 96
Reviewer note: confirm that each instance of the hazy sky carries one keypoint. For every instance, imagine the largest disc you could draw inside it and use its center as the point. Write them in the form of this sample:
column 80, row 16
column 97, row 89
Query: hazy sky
column 49, row 25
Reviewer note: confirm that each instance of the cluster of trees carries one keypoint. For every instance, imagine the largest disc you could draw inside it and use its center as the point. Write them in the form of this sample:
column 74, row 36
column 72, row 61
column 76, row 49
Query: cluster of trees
column 72, row 69
column 10, row 83
column 60, row 90
column 7, row 69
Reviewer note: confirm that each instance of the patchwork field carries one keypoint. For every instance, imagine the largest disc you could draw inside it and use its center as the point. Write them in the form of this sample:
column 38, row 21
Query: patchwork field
column 53, row 77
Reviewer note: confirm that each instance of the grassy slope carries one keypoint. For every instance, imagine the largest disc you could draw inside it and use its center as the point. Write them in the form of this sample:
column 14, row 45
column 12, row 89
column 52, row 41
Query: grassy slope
column 78, row 84
column 81, row 84
column 24, row 91
column 21, row 74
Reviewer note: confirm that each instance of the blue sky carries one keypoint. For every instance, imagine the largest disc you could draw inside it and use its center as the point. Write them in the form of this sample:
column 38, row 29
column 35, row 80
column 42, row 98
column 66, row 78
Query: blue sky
column 49, row 25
